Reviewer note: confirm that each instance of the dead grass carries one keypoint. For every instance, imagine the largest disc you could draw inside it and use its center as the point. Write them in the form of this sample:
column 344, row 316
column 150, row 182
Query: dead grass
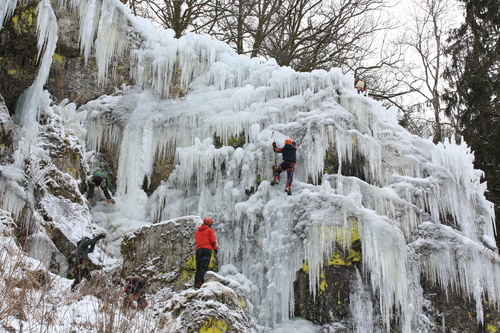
column 31, row 300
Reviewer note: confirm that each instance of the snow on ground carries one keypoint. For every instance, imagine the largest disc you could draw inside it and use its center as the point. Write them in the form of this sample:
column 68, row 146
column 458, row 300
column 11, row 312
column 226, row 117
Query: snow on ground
column 404, row 184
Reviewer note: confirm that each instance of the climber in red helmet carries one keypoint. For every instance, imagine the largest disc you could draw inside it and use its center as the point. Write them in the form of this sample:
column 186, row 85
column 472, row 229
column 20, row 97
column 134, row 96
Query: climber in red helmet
column 206, row 242
column 288, row 151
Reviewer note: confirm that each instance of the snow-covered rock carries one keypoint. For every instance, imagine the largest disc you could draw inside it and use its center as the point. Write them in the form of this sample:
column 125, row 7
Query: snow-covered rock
column 162, row 253
column 167, row 136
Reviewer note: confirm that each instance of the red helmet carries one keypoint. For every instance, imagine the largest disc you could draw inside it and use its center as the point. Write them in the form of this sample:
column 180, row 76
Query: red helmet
column 207, row 221
column 288, row 141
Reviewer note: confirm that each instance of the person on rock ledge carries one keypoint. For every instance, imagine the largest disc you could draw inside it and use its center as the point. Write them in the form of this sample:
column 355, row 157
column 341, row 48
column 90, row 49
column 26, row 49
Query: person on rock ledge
column 206, row 242
column 289, row 158
column 100, row 178
column 83, row 247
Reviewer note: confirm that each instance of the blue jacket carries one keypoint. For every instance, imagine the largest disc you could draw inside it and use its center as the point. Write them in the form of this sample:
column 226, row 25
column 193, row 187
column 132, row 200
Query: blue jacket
column 288, row 151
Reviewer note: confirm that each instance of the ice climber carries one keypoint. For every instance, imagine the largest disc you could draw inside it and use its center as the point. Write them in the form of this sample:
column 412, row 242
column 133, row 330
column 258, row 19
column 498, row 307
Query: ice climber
column 83, row 248
column 134, row 291
column 360, row 86
column 206, row 242
column 289, row 158
column 100, row 178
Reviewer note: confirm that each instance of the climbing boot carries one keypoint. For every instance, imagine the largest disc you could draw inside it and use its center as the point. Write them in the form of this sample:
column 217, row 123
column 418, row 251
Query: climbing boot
column 274, row 182
column 288, row 191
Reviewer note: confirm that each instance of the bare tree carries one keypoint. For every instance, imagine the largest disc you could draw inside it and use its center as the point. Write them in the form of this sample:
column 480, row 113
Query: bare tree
column 178, row 15
column 313, row 35
column 425, row 38
column 242, row 24
column 383, row 71
column 303, row 34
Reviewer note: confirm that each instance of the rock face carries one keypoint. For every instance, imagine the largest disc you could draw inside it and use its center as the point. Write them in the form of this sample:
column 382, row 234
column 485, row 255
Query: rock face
column 53, row 179
column 457, row 313
column 219, row 306
column 17, row 53
column 331, row 302
column 71, row 76
column 162, row 253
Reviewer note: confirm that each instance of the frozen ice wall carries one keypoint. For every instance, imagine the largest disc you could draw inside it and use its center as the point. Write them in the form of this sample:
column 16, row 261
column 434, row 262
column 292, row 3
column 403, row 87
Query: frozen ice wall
column 419, row 207
column 15, row 184
column 355, row 165
column 32, row 100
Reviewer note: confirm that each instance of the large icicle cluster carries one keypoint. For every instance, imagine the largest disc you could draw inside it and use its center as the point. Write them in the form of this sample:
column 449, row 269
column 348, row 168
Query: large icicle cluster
column 419, row 207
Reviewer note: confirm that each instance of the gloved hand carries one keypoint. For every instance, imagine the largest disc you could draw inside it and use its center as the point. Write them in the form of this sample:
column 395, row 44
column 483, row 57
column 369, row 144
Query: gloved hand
column 111, row 201
column 293, row 143
column 101, row 236
column 274, row 143
column 216, row 251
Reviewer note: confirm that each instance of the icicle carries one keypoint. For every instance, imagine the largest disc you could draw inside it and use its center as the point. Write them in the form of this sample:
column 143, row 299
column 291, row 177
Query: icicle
column 111, row 38
column 361, row 306
column 406, row 180
column 459, row 264
column 31, row 101
column 6, row 10
column 89, row 13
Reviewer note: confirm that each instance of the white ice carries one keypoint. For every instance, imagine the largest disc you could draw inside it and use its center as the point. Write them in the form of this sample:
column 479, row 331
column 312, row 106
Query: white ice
column 411, row 200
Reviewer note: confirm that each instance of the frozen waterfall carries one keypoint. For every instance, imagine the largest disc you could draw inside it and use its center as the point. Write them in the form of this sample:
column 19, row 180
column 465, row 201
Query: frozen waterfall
column 419, row 208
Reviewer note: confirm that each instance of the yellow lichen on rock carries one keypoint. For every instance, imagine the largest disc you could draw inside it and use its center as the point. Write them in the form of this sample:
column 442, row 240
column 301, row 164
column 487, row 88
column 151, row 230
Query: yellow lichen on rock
column 213, row 326
column 190, row 269
column 243, row 303
column 57, row 58
column 490, row 328
column 322, row 284
column 305, row 266
column 340, row 234
column 24, row 19
column 347, row 241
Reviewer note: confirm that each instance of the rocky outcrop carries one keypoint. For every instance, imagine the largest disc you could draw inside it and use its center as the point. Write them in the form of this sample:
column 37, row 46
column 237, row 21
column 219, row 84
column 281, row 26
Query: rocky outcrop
column 456, row 312
column 162, row 253
column 18, row 53
column 71, row 76
column 331, row 302
column 217, row 307
column 45, row 187
column 58, row 199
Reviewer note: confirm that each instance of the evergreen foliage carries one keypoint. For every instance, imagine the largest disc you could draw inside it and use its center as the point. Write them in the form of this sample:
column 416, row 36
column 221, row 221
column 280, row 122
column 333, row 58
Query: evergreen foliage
column 474, row 77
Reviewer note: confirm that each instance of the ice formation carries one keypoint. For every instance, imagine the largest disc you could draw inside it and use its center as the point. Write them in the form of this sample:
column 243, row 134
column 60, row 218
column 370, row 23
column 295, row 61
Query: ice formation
column 419, row 207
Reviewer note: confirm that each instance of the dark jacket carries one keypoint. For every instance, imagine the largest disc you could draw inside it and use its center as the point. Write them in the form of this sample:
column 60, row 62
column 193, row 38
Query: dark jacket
column 288, row 151
column 205, row 238
column 84, row 247
column 134, row 286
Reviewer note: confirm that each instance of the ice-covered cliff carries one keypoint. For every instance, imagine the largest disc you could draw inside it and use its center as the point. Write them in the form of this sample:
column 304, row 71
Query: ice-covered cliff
column 192, row 135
